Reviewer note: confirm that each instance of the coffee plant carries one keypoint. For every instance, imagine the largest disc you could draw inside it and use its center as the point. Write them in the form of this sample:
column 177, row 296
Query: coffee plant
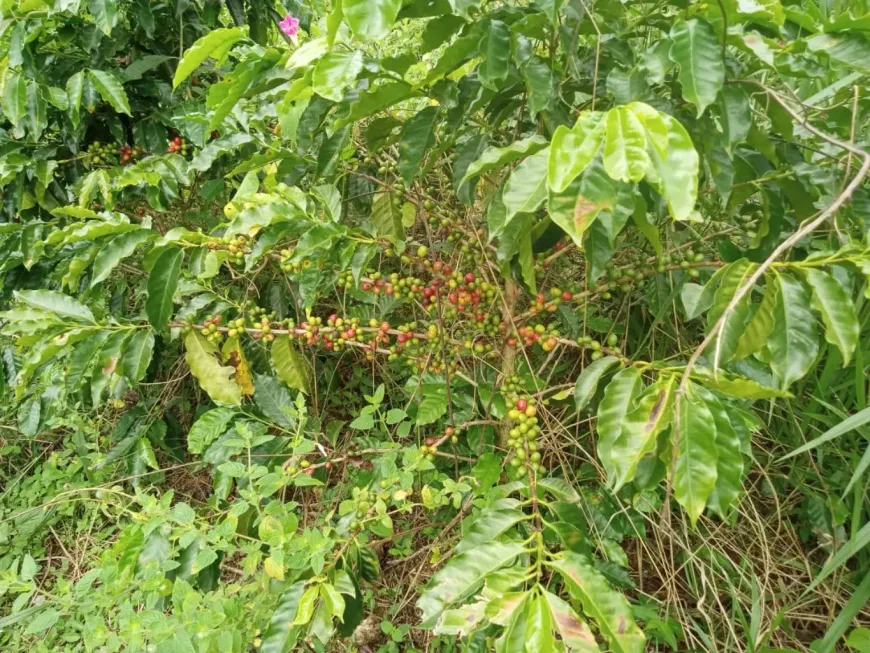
column 434, row 325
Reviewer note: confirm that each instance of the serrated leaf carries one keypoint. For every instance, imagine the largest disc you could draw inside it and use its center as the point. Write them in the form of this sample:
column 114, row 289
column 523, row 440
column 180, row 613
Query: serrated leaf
column 214, row 378
column 215, row 43
column 572, row 150
column 697, row 456
column 625, row 145
column 335, row 72
column 640, row 430
column 835, row 306
column 698, row 53
column 615, row 405
column 793, row 342
column 608, row 608
column 113, row 252
column 587, row 382
column 162, row 283
column 110, row 90
column 289, row 364
column 496, row 157
column 526, row 188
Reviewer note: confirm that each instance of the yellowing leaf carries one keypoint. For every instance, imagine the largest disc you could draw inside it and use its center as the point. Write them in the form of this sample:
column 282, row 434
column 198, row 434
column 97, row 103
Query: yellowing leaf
column 214, row 378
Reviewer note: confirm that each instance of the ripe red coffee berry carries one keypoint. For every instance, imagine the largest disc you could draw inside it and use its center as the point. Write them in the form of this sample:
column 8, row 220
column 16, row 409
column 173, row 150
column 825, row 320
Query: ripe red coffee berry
column 522, row 404
column 469, row 278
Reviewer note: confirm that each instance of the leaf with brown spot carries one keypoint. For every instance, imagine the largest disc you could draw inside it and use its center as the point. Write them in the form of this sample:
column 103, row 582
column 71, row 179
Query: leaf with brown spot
column 608, row 608
column 574, row 631
column 233, row 354
column 640, row 431
column 110, row 366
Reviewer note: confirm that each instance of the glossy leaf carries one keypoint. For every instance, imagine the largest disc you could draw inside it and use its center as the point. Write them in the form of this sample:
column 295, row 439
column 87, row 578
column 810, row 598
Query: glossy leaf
column 835, row 306
column 735, row 115
column 495, row 49
column 729, row 464
column 370, row 19
column 615, row 405
column 336, row 72
column 735, row 276
column 496, row 157
column 696, row 468
column 677, row 174
column 760, row 325
column 574, row 631
column 794, row 342
column 850, row 48
column 208, row 428
column 417, row 137
column 462, row 573
column 120, row 247
column 111, row 90
column 587, row 382
column 55, row 302
column 162, row 283
column 289, row 364
column 214, row 44
column 280, row 635
column 698, row 53
column 572, row 150
column 487, row 527
column 625, row 155
column 137, row 355
column 526, row 188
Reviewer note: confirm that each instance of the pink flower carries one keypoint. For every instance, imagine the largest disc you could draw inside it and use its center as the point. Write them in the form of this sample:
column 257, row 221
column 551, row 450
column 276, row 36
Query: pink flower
column 289, row 25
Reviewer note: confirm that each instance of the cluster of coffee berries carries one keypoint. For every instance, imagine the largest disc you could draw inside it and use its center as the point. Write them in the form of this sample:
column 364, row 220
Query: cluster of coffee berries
column 512, row 384
column 178, row 144
column 127, row 153
column 288, row 265
column 210, row 329
column 429, row 449
column 523, row 436
column 260, row 322
column 545, row 335
column 587, row 342
column 304, row 465
column 557, row 296
column 684, row 259
column 237, row 246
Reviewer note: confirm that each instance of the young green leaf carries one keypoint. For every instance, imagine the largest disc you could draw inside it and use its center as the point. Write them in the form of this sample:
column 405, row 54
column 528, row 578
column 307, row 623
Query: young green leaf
column 55, row 302
column 572, row 150
column 587, row 382
column 625, row 144
column 336, row 72
column 760, row 326
column 496, row 157
column 370, row 19
column 215, row 44
column 137, row 355
column 117, row 249
column 676, row 176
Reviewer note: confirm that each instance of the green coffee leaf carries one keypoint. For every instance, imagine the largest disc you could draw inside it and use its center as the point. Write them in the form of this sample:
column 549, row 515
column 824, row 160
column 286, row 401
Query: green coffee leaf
column 162, row 283
column 698, row 53
column 214, row 378
column 214, row 44
column 793, row 342
column 697, row 455
column 110, row 90
column 835, row 306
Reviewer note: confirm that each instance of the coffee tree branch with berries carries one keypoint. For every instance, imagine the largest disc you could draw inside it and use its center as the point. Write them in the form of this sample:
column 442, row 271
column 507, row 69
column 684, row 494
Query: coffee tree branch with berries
column 461, row 325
